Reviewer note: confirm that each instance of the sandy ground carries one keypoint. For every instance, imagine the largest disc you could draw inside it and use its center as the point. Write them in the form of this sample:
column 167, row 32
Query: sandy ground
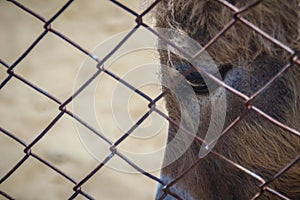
column 56, row 67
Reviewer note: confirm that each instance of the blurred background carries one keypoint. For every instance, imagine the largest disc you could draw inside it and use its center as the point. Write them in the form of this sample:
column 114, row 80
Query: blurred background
column 57, row 67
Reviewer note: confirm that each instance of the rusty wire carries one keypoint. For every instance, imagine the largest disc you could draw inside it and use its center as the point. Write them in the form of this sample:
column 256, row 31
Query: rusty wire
column 63, row 110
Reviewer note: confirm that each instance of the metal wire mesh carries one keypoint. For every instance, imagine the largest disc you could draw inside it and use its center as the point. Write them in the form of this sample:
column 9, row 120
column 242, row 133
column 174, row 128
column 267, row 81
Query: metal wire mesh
column 62, row 104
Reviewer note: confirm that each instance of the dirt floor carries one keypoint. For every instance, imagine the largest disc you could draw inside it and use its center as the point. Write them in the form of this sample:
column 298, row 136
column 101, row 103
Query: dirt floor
column 58, row 68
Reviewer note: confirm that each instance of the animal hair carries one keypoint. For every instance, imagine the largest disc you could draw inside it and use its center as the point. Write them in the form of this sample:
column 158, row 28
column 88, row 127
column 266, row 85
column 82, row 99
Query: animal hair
column 255, row 142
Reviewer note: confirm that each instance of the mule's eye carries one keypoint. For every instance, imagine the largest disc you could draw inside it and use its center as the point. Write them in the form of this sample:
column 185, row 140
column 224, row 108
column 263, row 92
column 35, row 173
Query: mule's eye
column 194, row 78
column 199, row 88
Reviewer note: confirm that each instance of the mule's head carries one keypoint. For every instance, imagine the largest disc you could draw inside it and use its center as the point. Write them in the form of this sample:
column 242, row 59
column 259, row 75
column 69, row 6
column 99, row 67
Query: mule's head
column 245, row 60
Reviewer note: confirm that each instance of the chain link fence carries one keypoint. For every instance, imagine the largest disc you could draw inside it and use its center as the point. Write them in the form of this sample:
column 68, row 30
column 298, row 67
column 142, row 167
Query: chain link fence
column 10, row 77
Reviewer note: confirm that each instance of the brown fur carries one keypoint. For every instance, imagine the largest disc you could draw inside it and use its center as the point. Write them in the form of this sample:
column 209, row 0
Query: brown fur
column 254, row 143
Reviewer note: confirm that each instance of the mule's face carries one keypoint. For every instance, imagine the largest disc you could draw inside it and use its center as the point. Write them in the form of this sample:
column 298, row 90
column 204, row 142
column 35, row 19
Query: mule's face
column 254, row 142
column 246, row 62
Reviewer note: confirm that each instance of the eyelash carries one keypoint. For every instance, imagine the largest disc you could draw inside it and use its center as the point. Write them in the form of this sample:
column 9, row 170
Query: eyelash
column 197, row 83
column 195, row 79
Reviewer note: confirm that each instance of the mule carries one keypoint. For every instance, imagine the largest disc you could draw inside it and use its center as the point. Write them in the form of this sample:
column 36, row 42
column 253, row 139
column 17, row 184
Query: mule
column 247, row 61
